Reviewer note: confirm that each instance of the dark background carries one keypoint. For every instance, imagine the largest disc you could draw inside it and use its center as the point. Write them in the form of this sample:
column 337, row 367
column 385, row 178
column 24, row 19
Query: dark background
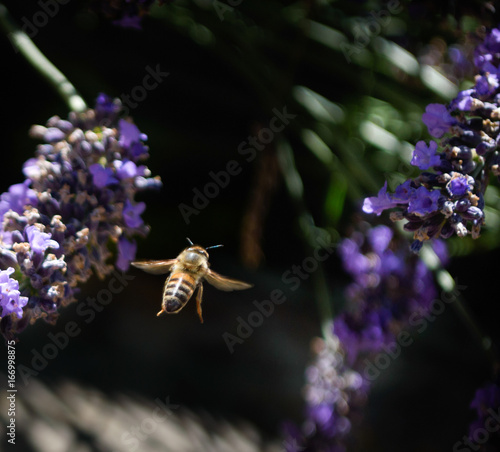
column 218, row 93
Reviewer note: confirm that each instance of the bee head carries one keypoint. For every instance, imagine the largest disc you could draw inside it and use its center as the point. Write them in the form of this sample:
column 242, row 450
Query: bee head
column 195, row 255
column 195, row 252
column 198, row 250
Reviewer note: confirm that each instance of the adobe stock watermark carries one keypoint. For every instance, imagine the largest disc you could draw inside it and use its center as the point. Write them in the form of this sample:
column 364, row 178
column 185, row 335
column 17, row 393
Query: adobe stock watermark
column 140, row 92
column 48, row 9
column 248, row 149
column 132, row 437
column 293, row 278
column 479, row 435
column 417, row 320
column 370, row 28
column 87, row 309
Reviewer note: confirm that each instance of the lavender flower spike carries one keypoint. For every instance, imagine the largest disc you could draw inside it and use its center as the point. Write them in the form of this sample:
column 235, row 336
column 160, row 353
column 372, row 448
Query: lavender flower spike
column 334, row 394
column 75, row 207
column 448, row 199
column 389, row 286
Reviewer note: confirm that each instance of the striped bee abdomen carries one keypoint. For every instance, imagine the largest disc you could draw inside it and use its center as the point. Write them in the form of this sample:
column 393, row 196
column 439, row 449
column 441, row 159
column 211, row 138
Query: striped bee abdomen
column 177, row 291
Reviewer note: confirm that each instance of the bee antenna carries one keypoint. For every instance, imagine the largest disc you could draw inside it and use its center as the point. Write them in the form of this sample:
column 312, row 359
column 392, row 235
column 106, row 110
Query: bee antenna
column 213, row 246
column 189, row 240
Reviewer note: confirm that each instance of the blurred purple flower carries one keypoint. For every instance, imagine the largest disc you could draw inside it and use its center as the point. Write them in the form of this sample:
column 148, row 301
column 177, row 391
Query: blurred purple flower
column 18, row 196
column 102, row 176
column 437, row 119
column 334, row 394
column 384, row 293
column 128, row 169
column 486, row 403
column 389, row 286
column 126, row 253
column 132, row 214
column 488, row 50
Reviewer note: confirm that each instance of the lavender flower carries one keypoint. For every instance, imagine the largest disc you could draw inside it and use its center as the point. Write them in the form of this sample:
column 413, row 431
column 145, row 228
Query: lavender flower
column 389, row 285
column 450, row 199
column 425, row 156
column 484, row 435
column 385, row 292
column 377, row 204
column 437, row 119
column 334, row 394
column 11, row 301
column 77, row 204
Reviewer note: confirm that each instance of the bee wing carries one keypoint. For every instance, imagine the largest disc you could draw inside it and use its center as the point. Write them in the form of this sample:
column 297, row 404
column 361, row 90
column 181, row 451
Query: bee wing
column 226, row 284
column 155, row 267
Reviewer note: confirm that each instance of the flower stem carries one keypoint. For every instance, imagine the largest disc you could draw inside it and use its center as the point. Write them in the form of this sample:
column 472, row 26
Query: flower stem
column 483, row 339
column 310, row 232
column 23, row 44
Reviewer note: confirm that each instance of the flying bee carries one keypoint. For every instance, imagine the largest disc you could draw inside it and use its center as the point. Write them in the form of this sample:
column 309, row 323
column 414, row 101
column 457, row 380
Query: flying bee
column 187, row 273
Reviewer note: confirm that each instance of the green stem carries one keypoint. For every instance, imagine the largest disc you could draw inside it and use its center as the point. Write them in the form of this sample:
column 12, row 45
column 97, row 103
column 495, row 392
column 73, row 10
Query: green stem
column 23, row 44
column 448, row 284
column 310, row 233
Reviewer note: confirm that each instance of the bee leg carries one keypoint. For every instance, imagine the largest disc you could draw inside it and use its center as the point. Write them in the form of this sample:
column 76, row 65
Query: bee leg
column 199, row 295
column 161, row 312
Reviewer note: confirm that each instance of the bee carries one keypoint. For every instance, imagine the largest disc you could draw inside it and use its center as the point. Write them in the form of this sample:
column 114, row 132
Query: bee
column 188, row 271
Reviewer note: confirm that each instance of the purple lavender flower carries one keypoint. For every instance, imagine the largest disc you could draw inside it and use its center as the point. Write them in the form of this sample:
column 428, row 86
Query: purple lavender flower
column 425, row 156
column 483, row 434
column 126, row 253
column 488, row 50
column 384, row 293
column 132, row 214
column 102, row 176
column 59, row 226
column 403, row 193
column 39, row 241
column 423, row 201
column 437, row 119
column 486, row 85
column 11, row 301
column 377, row 204
column 464, row 101
column 128, row 169
column 460, row 185
column 17, row 197
column 389, row 286
column 335, row 395
column 450, row 200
